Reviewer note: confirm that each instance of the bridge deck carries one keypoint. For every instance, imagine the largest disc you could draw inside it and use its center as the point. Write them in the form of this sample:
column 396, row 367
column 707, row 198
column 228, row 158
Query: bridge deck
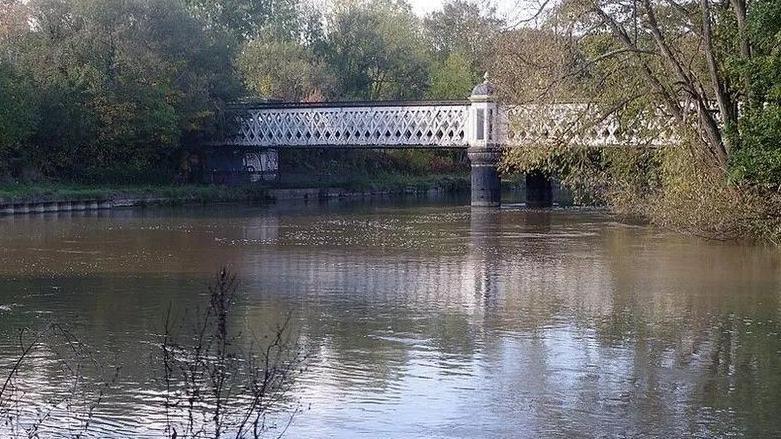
column 427, row 125
column 440, row 124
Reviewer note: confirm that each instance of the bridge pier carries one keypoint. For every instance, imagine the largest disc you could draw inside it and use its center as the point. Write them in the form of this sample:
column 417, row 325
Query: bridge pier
column 486, row 184
column 539, row 190
column 484, row 151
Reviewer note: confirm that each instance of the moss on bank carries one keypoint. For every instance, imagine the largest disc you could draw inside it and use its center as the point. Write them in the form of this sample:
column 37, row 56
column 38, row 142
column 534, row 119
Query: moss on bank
column 36, row 192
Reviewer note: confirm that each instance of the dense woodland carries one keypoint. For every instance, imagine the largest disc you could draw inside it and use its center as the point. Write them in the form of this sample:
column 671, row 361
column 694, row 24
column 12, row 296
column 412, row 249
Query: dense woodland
column 121, row 90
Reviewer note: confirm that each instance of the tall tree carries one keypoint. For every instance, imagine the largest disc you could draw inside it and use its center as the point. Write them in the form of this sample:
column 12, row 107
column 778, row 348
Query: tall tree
column 241, row 20
column 286, row 70
column 452, row 78
column 376, row 50
column 749, row 34
column 466, row 28
column 646, row 56
column 122, row 83
column 18, row 116
column 13, row 24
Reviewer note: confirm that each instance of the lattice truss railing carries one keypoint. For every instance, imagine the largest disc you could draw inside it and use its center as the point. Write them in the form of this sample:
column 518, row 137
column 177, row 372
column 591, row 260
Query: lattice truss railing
column 445, row 126
column 582, row 125
column 358, row 126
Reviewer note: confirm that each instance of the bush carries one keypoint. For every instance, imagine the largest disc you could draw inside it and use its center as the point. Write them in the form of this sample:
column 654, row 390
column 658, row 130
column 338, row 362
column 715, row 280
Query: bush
column 670, row 187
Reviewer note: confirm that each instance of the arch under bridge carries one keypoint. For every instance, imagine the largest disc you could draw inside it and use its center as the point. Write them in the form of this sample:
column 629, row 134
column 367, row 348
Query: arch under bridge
column 480, row 125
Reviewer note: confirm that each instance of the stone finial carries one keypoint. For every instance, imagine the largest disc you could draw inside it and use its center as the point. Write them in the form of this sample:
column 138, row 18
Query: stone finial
column 485, row 88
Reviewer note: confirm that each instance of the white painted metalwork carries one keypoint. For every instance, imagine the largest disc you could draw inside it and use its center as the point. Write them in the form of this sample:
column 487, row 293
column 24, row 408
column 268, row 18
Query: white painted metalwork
column 581, row 125
column 484, row 132
column 478, row 124
column 342, row 125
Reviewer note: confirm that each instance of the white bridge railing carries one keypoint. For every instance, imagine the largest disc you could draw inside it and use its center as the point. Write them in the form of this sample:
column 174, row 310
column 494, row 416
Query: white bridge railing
column 398, row 125
column 440, row 125
column 481, row 125
column 582, row 125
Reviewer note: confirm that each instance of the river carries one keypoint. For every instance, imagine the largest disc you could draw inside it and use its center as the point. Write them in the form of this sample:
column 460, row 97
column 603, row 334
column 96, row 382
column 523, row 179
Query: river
column 423, row 318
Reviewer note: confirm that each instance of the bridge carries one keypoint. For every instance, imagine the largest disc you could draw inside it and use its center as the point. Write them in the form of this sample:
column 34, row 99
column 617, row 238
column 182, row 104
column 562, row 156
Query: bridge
column 480, row 125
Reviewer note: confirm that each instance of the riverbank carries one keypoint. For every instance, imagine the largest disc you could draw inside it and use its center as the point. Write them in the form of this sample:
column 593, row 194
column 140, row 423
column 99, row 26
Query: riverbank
column 25, row 198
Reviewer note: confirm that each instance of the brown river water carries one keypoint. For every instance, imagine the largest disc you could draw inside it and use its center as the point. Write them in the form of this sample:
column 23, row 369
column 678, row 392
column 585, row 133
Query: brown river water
column 425, row 319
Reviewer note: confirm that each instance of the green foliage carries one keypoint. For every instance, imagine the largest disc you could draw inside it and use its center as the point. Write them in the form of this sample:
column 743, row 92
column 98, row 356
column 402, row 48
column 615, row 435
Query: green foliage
column 462, row 37
column 465, row 28
column 121, row 84
column 241, row 20
column 452, row 79
column 154, row 193
column 757, row 138
column 696, row 199
column 376, row 50
column 373, row 49
column 758, row 157
column 18, row 114
column 285, row 70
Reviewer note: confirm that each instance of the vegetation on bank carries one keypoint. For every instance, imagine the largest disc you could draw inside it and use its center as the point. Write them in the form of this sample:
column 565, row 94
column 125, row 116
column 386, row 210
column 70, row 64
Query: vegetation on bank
column 195, row 193
column 128, row 91
column 166, row 193
column 713, row 68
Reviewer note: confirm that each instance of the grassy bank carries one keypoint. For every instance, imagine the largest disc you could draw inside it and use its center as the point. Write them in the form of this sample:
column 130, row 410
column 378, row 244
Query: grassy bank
column 35, row 192
column 65, row 192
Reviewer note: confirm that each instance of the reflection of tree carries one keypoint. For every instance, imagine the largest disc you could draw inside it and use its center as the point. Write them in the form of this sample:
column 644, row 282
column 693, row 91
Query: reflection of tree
column 741, row 374
column 556, row 320
column 616, row 330
column 698, row 319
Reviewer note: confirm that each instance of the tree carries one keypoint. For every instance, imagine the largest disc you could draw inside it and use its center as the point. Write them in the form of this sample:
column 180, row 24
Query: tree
column 13, row 24
column 466, row 29
column 284, row 69
column 18, row 115
column 675, row 56
column 705, row 65
column 242, row 20
column 123, row 85
column 452, row 79
column 376, row 50
column 751, row 40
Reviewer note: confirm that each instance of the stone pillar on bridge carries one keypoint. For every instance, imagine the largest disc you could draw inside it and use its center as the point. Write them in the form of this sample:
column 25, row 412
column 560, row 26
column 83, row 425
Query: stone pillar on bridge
column 484, row 148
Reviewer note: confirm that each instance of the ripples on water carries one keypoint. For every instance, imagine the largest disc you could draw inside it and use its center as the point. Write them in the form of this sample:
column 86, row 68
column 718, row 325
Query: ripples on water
column 424, row 319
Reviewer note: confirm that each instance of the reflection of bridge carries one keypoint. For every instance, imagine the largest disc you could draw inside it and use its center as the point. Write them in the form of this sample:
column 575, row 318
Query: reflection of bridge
column 480, row 125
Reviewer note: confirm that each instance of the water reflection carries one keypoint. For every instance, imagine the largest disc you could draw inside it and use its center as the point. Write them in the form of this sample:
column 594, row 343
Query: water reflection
column 481, row 274
column 427, row 320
